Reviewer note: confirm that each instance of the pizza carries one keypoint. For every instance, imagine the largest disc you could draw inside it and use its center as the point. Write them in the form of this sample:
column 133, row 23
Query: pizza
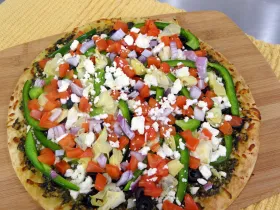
column 132, row 114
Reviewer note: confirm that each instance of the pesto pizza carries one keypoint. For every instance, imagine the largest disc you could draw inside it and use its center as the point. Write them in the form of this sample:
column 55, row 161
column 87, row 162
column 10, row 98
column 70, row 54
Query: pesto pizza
column 132, row 114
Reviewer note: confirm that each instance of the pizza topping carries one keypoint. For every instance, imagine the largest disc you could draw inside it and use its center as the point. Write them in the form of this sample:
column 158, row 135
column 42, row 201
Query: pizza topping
column 134, row 109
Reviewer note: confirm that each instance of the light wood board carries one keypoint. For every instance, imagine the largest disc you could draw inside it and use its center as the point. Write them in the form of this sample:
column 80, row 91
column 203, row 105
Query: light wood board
column 219, row 31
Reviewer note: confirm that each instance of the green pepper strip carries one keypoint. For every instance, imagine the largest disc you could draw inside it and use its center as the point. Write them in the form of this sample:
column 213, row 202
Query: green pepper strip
column 101, row 78
column 63, row 50
column 159, row 93
column 191, row 124
column 25, row 97
column 35, row 92
column 31, row 153
column 90, row 52
column 46, row 142
column 136, row 174
column 228, row 143
column 230, row 89
column 183, row 173
column 192, row 42
column 96, row 111
column 184, row 91
column 174, row 63
column 124, row 109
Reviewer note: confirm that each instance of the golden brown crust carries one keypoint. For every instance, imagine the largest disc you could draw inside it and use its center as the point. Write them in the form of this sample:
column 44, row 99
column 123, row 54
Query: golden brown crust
column 246, row 154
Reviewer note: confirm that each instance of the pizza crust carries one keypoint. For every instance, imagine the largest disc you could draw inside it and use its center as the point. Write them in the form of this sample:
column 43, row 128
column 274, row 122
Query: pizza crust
column 246, row 155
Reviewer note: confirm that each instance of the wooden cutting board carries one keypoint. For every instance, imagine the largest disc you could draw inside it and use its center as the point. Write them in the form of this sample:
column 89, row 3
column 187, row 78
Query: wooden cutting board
column 219, row 31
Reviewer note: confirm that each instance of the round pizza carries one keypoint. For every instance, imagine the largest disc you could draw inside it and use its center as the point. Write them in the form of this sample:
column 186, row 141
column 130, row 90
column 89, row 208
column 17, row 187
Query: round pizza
column 132, row 114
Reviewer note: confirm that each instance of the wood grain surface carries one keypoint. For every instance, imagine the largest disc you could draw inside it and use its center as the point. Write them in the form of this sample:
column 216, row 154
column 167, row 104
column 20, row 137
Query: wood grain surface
column 219, row 31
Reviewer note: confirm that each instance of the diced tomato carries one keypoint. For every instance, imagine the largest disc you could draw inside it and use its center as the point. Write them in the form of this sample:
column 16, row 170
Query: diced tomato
column 153, row 32
column 191, row 142
column 78, row 82
column 110, row 119
column 113, row 171
column 172, row 119
column 85, row 126
column 189, row 203
column 153, row 191
column 80, row 33
column 139, row 50
column 95, row 37
column 100, row 182
column 164, row 67
column 181, row 101
column 155, row 147
column 150, row 24
column 200, row 53
column 52, row 86
column 53, row 95
column 137, row 142
column 36, row 114
column 207, row 133
column 45, row 122
column 154, row 160
column 167, row 205
column 145, row 109
column 42, row 63
column 144, row 91
column 94, row 167
column 84, row 105
column 152, row 102
column 33, row 104
column 50, row 105
column 115, row 94
column 165, row 40
column 109, row 42
column 210, row 94
column 188, row 112
column 114, row 48
column 226, row 128
column 166, row 130
column 62, row 167
column 177, row 40
column 129, row 71
column 162, row 170
column 67, row 142
column 193, row 72
column 63, row 68
column 124, row 53
column 151, row 133
column 133, row 34
column 235, row 121
column 87, row 153
column 194, row 162
column 64, row 94
column 121, row 25
column 153, row 61
column 69, row 74
column 123, row 141
column 209, row 102
column 101, row 44
column 47, row 156
column 121, row 62
column 112, row 137
column 148, row 121
column 74, row 152
column 133, row 164
column 143, row 29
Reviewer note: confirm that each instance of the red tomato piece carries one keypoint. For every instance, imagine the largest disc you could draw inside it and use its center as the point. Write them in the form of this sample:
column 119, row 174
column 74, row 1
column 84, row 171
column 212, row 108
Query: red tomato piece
column 153, row 103
column 181, row 101
column 153, row 61
column 226, row 128
column 101, row 44
column 153, row 191
column 113, row 171
column 129, row 71
column 62, row 167
column 45, row 122
column 100, row 182
column 137, row 142
column 236, row 121
column 188, row 112
column 193, row 72
column 154, row 160
column 67, row 142
column 74, row 152
column 155, row 147
column 165, row 40
column 47, row 156
column 87, row 153
column 52, row 86
column 36, row 114
column 209, row 102
column 63, row 68
column 191, row 142
column 167, row 205
column 194, row 162
column 207, row 133
column 172, row 119
column 133, row 164
column 121, row 25
column 50, row 105
column 162, row 170
column 33, row 104
column 144, row 91
column 84, row 105
column 94, row 167
column 121, row 62
column 210, row 94
column 85, row 126
column 189, row 203
column 165, row 67
column 123, row 141
column 151, row 134
column 201, row 53
column 42, row 63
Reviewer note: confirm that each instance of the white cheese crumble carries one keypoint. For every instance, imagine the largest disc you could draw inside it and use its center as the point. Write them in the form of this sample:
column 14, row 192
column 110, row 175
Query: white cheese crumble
column 177, row 86
column 114, row 144
column 228, row 118
column 205, row 171
column 202, row 105
column 151, row 171
column 142, row 41
column 63, row 85
column 144, row 150
column 182, row 72
column 223, row 174
column 135, row 30
column 74, row 45
column 194, row 190
column 221, row 151
column 189, row 103
column 88, row 64
column 201, row 181
column 128, row 40
column 158, row 48
column 155, row 126
column 138, row 124
column 75, row 98
column 141, row 165
column 150, row 80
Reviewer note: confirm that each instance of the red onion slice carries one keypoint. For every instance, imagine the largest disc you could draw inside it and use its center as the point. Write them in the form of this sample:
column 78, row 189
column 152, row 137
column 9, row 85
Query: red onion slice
column 39, row 83
column 142, row 58
column 125, row 127
column 201, row 84
column 174, row 50
column 153, row 43
column 53, row 174
column 138, row 156
column 51, row 133
column 124, row 165
column 126, row 176
column 199, row 114
column 138, row 85
column 86, row 45
column 201, row 64
column 55, row 114
column 59, row 153
column 132, row 54
column 190, row 55
column 195, row 92
column 74, row 61
column 74, row 130
column 112, row 56
column 36, row 114
column 95, row 125
column 133, row 94
column 76, row 89
column 208, row 186
column 134, row 184
column 118, row 35
column 147, row 53
column 117, row 129
column 102, row 160
column 59, row 130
